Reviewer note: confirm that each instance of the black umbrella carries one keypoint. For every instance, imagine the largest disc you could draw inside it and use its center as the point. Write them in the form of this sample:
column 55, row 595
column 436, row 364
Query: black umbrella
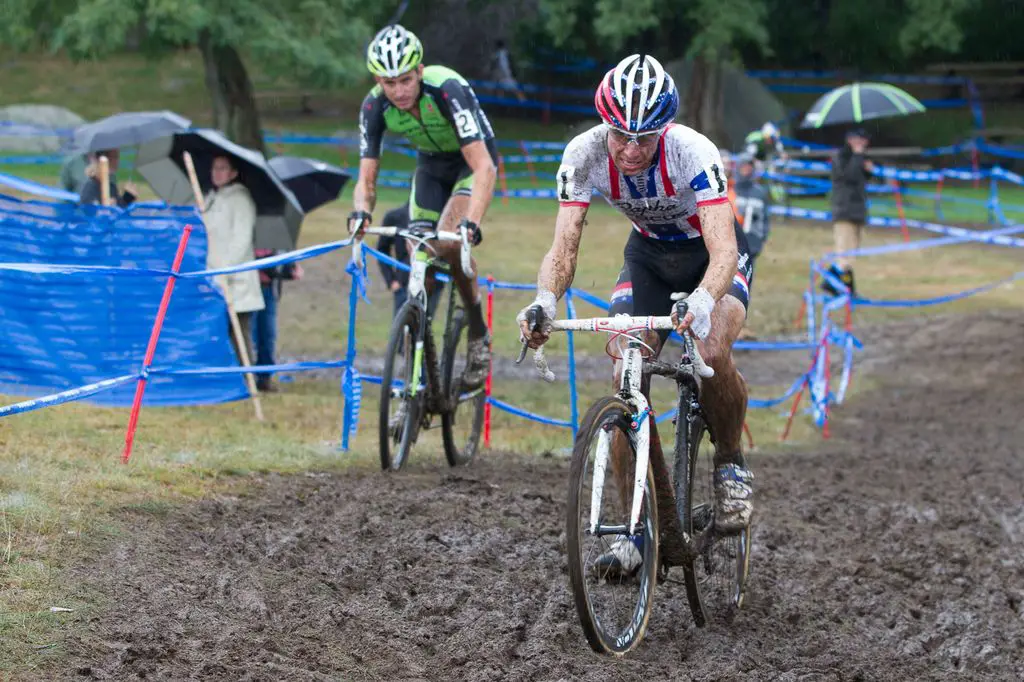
column 314, row 183
column 161, row 163
column 127, row 129
column 860, row 102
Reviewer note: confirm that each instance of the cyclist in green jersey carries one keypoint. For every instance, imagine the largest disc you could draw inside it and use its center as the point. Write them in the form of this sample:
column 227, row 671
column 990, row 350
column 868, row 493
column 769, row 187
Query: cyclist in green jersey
column 765, row 144
column 436, row 110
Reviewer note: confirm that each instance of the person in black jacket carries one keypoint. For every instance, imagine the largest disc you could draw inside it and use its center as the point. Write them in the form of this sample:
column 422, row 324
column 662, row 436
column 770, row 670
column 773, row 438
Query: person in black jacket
column 850, row 173
column 91, row 192
column 397, row 279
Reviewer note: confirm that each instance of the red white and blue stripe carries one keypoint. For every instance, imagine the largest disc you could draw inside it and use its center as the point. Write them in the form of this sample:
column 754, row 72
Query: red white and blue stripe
column 637, row 96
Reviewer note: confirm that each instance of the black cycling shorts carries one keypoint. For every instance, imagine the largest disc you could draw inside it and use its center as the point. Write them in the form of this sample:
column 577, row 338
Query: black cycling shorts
column 437, row 178
column 655, row 269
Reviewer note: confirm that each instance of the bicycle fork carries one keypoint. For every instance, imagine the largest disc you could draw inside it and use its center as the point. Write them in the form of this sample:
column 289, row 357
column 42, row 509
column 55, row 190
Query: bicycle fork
column 417, row 276
column 640, row 434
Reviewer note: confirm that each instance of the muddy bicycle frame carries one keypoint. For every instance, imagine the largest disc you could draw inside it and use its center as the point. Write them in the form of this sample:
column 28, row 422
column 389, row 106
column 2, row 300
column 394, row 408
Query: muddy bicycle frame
column 423, row 254
column 634, row 365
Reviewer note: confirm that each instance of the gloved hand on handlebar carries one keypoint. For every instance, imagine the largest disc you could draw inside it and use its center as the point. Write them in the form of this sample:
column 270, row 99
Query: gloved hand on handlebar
column 535, row 319
column 693, row 312
column 473, row 231
column 358, row 221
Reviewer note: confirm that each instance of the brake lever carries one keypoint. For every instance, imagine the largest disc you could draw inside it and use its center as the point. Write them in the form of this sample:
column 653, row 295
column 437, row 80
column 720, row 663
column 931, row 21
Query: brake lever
column 522, row 351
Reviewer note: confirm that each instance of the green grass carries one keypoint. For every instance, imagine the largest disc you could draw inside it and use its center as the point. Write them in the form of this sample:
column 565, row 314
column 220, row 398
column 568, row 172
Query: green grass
column 63, row 490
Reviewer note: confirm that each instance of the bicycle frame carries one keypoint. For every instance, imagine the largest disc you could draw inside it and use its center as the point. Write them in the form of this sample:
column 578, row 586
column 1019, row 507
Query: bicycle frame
column 421, row 261
column 629, row 389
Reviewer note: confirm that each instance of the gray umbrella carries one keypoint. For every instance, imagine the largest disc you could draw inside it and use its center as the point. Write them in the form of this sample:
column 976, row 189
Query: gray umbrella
column 161, row 163
column 127, row 129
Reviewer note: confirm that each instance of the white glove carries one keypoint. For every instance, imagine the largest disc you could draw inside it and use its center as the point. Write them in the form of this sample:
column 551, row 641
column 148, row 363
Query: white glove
column 700, row 303
column 546, row 301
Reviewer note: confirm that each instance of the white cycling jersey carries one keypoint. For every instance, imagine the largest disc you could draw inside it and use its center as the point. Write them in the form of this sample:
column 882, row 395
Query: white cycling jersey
column 662, row 201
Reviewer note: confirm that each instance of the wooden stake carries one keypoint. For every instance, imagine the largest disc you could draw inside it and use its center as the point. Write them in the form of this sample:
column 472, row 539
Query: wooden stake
column 105, row 181
column 223, row 284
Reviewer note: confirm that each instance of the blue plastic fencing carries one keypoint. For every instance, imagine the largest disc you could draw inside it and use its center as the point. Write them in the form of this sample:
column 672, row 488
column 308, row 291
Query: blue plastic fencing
column 94, row 277
column 88, row 318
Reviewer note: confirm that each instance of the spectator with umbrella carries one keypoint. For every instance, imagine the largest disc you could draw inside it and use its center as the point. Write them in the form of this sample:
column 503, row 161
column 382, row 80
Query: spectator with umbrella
column 92, row 190
column 275, row 212
column 849, row 203
column 846, row 105
column 105, row 138
column 230, row 224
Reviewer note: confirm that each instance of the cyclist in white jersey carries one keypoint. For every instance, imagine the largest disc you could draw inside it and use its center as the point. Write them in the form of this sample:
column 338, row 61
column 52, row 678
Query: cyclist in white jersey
column 669, row 181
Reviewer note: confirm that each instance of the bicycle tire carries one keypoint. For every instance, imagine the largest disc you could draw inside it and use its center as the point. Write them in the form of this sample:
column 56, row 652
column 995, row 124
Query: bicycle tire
column 407, row 319
column 455, row 454
column 698, row 520
column 608, row 410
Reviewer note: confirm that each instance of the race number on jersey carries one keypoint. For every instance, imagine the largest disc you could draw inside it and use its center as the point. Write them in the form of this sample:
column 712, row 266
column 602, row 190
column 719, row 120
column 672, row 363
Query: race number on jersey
column 466, row 123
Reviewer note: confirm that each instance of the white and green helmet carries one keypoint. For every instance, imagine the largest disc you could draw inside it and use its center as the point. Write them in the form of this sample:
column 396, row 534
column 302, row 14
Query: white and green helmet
column 393, row 51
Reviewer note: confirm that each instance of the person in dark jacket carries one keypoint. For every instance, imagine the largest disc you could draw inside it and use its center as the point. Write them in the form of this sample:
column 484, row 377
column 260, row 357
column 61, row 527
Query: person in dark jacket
column 90, row 192
column 752, row 202
column 397, row 279
column 850, row 173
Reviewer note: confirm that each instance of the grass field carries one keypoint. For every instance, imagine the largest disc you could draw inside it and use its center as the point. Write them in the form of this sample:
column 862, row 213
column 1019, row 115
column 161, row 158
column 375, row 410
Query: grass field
column 63, row 489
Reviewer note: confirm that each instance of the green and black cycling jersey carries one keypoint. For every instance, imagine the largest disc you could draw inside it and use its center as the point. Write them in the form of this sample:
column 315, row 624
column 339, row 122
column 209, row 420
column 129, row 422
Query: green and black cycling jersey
column 450, row 117
column 758, row 146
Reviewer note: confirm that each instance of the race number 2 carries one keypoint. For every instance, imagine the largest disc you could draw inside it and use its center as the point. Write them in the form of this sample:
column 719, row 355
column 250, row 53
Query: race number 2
column 466, row 123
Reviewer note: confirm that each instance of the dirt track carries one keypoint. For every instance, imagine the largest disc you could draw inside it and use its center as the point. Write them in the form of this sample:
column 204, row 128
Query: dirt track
column 894, row 551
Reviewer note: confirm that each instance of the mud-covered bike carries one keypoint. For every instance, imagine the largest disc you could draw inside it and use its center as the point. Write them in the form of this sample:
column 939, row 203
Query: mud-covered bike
column 420, row 380
column 669, row 518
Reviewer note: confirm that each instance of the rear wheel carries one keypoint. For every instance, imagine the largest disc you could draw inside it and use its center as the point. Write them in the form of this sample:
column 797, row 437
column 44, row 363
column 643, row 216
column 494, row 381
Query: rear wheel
column 462, row 424
column 716, row 574
column 400, row 404
column 613, row 605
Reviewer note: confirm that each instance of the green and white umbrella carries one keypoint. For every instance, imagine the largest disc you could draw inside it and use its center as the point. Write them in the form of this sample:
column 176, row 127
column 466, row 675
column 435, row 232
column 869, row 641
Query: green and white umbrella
column 860, row 102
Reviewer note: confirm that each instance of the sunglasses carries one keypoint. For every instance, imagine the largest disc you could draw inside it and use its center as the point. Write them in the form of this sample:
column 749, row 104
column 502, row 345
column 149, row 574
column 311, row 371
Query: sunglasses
column 645, row 139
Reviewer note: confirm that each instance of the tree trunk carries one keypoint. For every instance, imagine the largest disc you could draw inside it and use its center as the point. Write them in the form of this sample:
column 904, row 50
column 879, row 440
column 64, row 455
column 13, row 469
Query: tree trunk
column 704, row 108
column 231, row 91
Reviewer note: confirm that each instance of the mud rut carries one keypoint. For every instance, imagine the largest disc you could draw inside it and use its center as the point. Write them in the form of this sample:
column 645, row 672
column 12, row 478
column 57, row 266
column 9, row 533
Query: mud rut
column 894, row 551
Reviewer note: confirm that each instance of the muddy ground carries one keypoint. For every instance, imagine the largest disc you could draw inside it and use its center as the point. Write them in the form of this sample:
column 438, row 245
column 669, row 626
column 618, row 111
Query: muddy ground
column 893, row 551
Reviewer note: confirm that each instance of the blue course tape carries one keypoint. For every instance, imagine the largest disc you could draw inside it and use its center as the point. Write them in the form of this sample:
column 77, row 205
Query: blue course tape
column 916, row 303
column 253, row 369
column 67, row 396
column 519, row 412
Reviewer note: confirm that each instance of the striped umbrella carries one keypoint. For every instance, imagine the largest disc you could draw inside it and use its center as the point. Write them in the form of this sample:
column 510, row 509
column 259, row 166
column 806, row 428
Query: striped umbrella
column 860, row 102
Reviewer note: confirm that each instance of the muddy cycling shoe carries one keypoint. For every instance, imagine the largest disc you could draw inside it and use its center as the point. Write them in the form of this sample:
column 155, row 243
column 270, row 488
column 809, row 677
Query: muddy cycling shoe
column 733, row 491
column 622, row 560
column 478, row 363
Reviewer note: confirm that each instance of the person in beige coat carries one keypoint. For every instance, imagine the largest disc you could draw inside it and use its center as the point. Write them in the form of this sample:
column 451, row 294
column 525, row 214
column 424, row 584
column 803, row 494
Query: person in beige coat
column 230, row 225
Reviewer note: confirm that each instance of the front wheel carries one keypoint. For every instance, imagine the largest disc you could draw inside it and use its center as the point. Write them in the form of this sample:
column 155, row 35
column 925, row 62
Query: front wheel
column 612, row 572
column 399, row 428
column 462, row 422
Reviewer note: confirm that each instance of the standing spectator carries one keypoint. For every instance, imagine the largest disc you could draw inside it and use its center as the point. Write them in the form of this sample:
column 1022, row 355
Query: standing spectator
column 91, row 192
column 397, row 279
column 264, row 322
column 502, row 68
column 850, row 172
column 230, row 224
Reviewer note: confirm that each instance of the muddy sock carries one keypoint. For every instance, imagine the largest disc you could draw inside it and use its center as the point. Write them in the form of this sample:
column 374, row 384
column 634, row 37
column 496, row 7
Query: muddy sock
column 733, row 458
column 477, row 326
